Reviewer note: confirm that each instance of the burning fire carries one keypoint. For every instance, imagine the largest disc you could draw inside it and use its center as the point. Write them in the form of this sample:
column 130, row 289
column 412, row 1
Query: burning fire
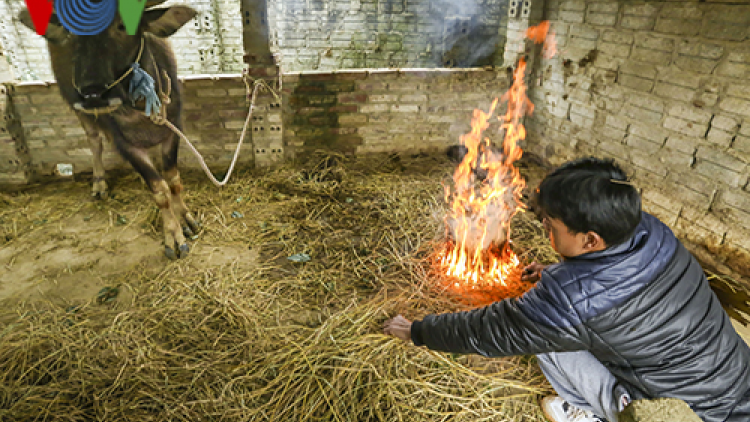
column 540, row 35
column 487, row 191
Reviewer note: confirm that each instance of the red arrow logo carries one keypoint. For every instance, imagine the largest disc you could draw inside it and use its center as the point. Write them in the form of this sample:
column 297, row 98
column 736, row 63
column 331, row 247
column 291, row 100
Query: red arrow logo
column 41, row 12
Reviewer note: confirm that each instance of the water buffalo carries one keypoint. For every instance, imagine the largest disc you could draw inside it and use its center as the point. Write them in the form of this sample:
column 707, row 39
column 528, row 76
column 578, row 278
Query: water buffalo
column 92, row 73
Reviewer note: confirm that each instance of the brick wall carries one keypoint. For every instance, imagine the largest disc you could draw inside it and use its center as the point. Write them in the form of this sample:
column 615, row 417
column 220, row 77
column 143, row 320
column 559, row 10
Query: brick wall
column 26, row 52
column 662, row 87
column 309, row 35
column 336, row 34
column 6, row 73
column 385, row 110
column 210, row 43
column 357, row 111
column 14, row 154
column 214, row 112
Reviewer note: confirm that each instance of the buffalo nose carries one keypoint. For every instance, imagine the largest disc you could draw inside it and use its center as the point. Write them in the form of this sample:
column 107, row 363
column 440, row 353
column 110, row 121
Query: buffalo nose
column 91, row 92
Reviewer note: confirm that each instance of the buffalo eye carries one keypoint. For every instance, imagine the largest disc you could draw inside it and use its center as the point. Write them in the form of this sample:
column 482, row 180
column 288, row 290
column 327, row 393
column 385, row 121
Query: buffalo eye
column 121, row 27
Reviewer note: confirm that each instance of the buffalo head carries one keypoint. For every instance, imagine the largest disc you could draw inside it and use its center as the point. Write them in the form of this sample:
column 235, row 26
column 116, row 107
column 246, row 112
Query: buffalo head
column 87, row 67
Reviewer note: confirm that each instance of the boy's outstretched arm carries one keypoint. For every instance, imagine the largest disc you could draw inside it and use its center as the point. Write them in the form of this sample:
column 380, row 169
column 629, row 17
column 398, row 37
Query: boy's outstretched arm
column 541, row 321
column 400, row 327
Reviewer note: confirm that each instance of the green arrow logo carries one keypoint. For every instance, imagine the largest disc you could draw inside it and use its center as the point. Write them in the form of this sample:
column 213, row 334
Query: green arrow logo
column 131, row 11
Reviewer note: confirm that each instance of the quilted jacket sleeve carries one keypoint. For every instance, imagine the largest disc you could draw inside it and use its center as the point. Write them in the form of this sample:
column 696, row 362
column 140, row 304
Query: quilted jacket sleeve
column 540, row 321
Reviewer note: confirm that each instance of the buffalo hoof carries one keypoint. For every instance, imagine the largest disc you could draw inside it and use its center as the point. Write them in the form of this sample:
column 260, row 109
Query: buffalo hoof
column 191, row 227
column 99, row 190
column 181, row 252
column 170, row 253
column 100, row 195
column 192, row 223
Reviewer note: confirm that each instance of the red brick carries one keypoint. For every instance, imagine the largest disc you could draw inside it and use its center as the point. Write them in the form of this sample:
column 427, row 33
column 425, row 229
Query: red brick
column 352, row 98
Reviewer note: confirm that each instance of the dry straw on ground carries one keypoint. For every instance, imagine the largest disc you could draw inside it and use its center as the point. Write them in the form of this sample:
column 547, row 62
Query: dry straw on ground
column 277, row 341
column 272, row 341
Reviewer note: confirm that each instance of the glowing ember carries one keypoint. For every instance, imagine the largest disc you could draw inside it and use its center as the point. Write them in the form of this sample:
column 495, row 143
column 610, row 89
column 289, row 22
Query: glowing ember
column 487, row 191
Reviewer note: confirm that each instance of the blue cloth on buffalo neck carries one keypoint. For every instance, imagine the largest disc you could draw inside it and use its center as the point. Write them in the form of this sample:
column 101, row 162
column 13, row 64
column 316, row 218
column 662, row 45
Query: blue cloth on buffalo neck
column 142, row 86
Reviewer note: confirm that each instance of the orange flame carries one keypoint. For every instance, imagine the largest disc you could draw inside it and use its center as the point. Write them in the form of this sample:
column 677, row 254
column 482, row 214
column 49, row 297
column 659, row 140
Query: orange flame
column 479, row 256
column 540, row 34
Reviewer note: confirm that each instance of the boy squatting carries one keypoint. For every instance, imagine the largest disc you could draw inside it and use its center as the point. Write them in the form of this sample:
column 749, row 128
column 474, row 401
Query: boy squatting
column 627, row 314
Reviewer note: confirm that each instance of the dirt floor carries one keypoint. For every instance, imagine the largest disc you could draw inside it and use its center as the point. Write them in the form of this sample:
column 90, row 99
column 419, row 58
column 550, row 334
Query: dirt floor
column 63, row 247
column 68, row 255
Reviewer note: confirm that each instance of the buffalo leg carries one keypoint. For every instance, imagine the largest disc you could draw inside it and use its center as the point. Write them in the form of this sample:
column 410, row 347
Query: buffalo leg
column 175, row 245
column 99, row 189
column 169, row 160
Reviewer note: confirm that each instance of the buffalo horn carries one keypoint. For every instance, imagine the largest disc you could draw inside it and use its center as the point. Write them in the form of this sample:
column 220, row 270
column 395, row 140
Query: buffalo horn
column 152, row 3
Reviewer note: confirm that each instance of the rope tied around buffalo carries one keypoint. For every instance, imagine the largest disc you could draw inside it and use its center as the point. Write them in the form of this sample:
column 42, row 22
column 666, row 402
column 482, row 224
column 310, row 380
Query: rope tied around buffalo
column 161, row 119
column 159, row 116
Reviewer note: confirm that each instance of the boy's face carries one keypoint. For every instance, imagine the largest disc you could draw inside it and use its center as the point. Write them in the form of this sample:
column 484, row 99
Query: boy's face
column 569, row 244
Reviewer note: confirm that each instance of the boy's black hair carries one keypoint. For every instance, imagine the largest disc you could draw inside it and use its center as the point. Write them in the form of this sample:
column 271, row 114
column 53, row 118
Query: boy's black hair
column 591, row 194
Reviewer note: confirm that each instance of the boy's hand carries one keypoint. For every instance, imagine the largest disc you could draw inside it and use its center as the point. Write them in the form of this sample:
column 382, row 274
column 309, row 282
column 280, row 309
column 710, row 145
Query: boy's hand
column 533, row 272
column 398, row 327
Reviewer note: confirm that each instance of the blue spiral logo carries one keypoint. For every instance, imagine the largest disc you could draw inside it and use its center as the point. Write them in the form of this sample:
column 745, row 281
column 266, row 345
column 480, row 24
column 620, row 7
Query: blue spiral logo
column 86, row 17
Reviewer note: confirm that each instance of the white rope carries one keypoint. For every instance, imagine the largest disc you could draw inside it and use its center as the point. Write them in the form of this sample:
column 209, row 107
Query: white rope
column 256, row 84
column 160, row 119
column 202, row 162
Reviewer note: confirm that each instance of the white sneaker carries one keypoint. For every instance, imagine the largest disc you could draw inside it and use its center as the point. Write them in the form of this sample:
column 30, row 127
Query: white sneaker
column 558, row 410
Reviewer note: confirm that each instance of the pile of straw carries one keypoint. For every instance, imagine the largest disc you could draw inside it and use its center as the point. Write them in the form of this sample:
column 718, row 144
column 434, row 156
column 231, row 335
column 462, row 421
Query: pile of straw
column 270, row 341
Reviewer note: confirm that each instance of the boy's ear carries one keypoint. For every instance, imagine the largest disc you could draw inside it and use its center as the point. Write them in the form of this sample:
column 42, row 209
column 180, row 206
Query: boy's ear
column 593, row 242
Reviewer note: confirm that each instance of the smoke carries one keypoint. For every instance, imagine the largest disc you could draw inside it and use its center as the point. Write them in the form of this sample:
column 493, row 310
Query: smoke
column 468, row 32
column 331, row 34
column 481, row 230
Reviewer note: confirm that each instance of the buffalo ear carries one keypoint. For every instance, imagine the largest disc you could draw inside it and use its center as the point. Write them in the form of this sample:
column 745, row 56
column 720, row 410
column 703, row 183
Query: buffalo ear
column 55, row 32
column 165, row 22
